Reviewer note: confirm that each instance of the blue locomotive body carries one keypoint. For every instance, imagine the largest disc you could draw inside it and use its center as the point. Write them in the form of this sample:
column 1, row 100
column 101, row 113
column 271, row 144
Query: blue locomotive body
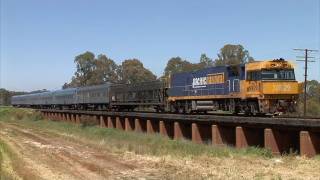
column 204, row 90
column 221, row 80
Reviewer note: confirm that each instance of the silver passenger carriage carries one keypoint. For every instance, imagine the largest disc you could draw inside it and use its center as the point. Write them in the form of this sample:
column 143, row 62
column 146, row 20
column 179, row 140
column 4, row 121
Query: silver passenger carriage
column 64, row 99
column 93, row 97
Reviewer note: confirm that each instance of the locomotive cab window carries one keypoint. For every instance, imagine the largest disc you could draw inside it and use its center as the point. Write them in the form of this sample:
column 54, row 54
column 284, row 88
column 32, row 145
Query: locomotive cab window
column 287, row 74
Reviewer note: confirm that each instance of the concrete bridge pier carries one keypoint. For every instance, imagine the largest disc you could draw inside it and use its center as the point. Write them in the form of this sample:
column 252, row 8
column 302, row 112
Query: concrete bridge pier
column 281, row 141
column 111, row 122
column 246, row 136
column 78, row 116
column 103, row 122
column 120, row 124
column 129, row 124
column 182, row 130
column 152, row 126
column 140, row 125
column 166, row 128
column 223, row 135
column 309, row 143
column 201, row 133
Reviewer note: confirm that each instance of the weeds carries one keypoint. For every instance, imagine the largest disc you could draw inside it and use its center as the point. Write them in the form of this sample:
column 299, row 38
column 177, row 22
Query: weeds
column 12, row 166
column 1, row 159
column 6, row 156
column 139, row 143
column 118, row 142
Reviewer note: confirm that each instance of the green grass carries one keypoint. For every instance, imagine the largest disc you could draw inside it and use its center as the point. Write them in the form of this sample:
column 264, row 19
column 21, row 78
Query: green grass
column 121, row 141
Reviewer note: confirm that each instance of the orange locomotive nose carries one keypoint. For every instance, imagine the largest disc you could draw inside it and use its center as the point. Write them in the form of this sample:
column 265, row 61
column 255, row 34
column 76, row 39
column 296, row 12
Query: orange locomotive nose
column 283, row 87
column 273, row 84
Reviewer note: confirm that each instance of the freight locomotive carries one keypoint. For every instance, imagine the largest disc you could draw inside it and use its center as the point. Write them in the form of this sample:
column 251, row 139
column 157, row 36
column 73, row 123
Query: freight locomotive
column 261, row 87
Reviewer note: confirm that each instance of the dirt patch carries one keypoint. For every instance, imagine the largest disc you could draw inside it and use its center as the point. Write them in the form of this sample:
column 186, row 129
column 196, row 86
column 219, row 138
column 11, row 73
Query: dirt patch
column 53, row 157
column 58, row 155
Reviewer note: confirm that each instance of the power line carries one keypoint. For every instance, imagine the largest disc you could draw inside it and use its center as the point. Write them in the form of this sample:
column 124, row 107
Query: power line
column 306, row 61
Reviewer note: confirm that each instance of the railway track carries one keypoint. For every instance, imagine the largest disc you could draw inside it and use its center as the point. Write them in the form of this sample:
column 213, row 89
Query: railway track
column 209, row 113
column 299, row 117
column 279, row 134
column 211, row 117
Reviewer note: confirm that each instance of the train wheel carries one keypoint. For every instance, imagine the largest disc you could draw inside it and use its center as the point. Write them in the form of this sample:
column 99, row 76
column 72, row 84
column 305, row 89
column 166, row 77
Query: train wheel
column 181, row 110
column 172, row 109
column 188, row 110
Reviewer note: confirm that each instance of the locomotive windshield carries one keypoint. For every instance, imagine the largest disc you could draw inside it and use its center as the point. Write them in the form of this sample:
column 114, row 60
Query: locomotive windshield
column 287, row 74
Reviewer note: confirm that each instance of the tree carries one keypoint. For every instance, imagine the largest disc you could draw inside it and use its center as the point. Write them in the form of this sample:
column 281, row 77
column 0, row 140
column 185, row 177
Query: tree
column 93, row 71
column 205, row 61
column 313, row 89
column 65, row 85
column 5, row 96
column 106, row 70
column 177, row 65
column 132, row 71
column 313, row 98
column 85, row 66
column 233, row 55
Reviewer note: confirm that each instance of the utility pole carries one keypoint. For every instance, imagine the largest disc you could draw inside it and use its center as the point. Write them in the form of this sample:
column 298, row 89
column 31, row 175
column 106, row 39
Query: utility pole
column 306, row 57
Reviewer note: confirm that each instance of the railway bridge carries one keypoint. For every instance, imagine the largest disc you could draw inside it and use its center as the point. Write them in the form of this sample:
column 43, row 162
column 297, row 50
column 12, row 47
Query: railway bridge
column 280, row 135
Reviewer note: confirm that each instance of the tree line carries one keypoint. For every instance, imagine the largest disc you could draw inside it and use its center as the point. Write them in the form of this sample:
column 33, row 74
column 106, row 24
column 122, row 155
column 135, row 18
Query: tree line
column 313, row 98
column 93, row 70
column 5, row 96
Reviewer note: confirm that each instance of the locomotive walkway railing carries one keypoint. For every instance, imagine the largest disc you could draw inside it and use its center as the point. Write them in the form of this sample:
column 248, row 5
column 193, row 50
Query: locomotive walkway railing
column 280, row 135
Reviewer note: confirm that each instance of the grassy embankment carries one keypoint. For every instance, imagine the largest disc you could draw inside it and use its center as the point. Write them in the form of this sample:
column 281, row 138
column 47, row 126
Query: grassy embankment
column 138, row 143
column 120, row 142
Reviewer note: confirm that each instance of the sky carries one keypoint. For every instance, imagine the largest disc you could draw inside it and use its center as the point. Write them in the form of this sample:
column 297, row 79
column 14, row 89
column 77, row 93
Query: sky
column 40, row 38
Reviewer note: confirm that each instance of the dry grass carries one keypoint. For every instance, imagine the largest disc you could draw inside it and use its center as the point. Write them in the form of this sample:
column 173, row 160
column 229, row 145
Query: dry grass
column 138, row 143
column 177, row 159
column 12, row 166
column 8, row 162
